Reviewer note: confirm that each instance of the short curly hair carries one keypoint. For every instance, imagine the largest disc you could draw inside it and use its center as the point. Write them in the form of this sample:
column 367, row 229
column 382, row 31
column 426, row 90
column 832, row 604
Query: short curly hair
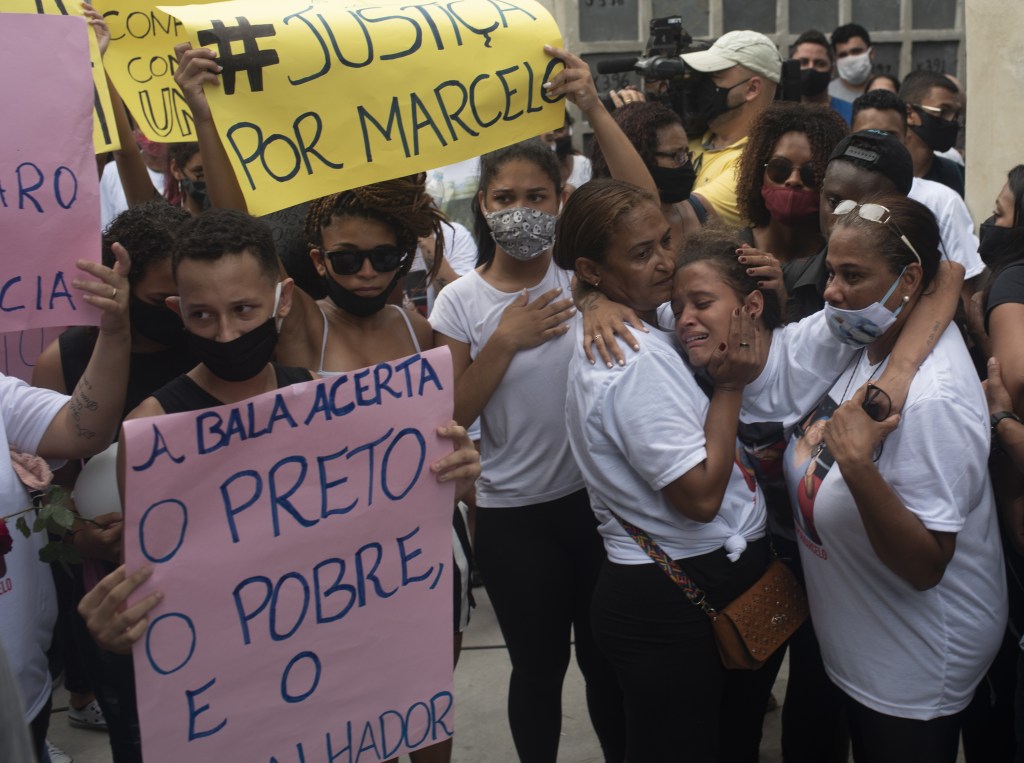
column 823, row 128
column 402, row 205
column 148, row 232
column 640, row 122
column 220, row 232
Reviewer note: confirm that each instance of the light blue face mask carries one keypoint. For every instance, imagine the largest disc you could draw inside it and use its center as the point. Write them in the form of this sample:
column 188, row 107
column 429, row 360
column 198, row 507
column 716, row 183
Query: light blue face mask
column 859, row 328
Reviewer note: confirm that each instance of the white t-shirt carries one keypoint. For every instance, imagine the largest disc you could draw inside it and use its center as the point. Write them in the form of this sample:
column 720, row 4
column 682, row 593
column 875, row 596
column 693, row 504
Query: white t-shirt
column 900, row 651
column 524, row 448
column 581, row 171
column 956, row 228
column 459, row 252
column 636, row 428
column 803, row 363
column 28, row 603
column 112, row 200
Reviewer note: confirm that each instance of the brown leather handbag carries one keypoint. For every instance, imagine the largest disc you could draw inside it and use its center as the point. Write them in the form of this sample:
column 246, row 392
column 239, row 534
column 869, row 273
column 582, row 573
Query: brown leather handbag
column 754, row 625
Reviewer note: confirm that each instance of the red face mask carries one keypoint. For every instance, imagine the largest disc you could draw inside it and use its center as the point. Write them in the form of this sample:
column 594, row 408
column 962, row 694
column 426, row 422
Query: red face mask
column 790, row 206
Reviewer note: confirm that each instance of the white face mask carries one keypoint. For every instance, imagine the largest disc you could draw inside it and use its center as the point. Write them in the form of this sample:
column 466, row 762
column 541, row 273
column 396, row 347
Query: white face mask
column 859, row 328
column 855, row 69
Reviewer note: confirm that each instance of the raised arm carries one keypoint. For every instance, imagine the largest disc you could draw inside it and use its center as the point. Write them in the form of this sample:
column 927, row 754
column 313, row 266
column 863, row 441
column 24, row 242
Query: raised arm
column 196, row 68
column 576, row 83
column 138, row 187
column 88, row 422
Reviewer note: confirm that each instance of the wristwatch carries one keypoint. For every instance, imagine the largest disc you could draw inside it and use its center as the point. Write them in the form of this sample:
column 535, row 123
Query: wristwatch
column 999, row 416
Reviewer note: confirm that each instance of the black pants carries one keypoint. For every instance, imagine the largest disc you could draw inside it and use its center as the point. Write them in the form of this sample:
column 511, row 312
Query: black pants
column 539, row 565
column 879, row 738
column 681, row 704
column 814, row 728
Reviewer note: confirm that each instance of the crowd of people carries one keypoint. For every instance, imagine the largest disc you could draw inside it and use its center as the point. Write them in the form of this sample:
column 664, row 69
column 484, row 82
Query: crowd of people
column 684, row 353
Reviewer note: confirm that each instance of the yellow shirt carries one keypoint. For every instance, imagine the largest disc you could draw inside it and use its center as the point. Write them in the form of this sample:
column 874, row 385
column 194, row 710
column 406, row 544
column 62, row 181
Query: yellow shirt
column 717, row 173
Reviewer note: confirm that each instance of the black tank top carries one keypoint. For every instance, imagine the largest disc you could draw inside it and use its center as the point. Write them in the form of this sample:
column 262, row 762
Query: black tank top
column 183, row 394
column 147, row 371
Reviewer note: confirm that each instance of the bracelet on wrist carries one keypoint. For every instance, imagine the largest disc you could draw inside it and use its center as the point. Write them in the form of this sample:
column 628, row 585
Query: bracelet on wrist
column 999, row 416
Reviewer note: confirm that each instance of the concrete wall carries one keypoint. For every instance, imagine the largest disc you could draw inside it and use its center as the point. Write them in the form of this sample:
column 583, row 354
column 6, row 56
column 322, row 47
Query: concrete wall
column 995, row 102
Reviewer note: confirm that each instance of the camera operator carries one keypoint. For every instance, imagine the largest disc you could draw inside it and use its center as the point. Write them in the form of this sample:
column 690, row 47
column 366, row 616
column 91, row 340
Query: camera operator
column 741, row 73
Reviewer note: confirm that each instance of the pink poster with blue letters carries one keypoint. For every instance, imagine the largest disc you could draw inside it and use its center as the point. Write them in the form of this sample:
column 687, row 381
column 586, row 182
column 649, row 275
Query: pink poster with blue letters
column 303, row 547
column 49, row 186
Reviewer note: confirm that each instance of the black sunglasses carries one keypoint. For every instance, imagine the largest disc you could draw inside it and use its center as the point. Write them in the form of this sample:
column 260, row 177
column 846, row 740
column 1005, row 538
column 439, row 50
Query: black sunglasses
column 383, row 259
column 779, row 168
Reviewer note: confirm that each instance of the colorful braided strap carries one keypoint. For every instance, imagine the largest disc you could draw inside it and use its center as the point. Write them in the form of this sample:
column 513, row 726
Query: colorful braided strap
column 667, row 565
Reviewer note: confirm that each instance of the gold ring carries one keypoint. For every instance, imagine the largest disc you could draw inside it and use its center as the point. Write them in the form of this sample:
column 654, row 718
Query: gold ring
column 598, row 338
column 744, row 344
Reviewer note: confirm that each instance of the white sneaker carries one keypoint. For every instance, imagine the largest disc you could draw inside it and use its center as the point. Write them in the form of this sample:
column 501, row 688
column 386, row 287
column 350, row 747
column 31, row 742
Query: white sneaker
column 89, row 717
column 56, row 754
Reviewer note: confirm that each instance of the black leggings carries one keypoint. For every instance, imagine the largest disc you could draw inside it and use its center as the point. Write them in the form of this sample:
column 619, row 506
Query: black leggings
column 681, row 704
column 879, row 738
column 539, row 564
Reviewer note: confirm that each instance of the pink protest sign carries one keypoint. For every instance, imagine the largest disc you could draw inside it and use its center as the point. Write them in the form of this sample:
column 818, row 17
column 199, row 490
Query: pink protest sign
column 49, row 189
column 19, row 350
column 303, row 547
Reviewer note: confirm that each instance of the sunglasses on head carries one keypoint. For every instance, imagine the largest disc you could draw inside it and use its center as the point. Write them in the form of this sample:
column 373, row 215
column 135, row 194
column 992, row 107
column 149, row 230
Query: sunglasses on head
column 383, row 259
column 779, row 168
column 876, row 213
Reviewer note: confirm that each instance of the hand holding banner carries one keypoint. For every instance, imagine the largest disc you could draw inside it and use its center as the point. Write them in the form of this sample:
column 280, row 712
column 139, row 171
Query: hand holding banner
column 316, row 98
column 303, row 548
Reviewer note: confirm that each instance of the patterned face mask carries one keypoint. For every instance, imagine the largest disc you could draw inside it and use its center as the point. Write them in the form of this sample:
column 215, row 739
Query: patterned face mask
column 523, row 232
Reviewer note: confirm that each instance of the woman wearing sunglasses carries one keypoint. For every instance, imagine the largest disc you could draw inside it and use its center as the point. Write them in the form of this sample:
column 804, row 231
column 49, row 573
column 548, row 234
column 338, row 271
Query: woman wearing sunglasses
column 897, row 526
column 780, row 177
column 362, row 242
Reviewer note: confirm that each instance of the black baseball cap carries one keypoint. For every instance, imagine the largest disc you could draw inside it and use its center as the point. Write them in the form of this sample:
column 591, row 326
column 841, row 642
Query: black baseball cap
column 878, row 151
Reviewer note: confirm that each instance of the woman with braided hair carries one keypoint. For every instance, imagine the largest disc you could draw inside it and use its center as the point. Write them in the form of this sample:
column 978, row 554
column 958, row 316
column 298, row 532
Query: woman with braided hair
column 362, row 242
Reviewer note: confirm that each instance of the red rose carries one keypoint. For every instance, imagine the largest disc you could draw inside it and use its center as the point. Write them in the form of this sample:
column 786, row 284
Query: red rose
column 6, row 544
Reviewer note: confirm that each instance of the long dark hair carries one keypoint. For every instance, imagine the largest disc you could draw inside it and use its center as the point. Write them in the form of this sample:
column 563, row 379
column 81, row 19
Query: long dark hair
column 532, row 150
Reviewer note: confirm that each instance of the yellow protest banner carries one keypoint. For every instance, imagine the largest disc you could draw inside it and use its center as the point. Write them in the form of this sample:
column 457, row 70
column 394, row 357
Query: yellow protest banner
column 318, row 96
column 141, row 64
column 104, row 133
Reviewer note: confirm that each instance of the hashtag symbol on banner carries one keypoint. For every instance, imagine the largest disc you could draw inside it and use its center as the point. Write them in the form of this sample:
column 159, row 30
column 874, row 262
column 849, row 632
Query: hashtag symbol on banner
column 251, row 60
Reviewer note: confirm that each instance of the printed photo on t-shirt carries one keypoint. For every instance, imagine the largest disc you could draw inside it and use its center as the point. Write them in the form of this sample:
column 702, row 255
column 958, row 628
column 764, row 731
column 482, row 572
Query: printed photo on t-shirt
column 810, row 449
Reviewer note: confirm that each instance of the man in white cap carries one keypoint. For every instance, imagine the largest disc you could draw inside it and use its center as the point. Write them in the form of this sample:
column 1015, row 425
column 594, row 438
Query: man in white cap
column 743, row 71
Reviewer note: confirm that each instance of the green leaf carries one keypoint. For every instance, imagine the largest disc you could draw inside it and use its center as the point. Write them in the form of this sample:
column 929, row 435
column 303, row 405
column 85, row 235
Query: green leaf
column 55, row 551
column 39, row 524
column 22, row 526
column 62, row 516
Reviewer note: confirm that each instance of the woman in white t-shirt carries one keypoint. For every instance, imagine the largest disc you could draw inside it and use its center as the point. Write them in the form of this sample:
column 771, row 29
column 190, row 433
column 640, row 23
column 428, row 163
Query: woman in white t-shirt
column 899, row 544
column 507, row 325
column 660, row 453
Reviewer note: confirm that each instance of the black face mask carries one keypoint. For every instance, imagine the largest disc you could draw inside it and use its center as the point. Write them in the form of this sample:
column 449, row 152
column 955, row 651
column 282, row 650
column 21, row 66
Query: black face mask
column 709, row 101
column 156, row 322
column 196, row 190
column 674, row 183
column 239, row 359
column 937, row 133
column 992, row 240
column 354, row 304
column 813, row 82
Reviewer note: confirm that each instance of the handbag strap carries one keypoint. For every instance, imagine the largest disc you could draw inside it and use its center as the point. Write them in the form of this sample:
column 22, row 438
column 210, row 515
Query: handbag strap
column 675, row 573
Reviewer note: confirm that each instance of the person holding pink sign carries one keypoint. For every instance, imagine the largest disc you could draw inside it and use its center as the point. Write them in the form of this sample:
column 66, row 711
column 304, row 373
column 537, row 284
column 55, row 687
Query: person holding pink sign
column 43, row 423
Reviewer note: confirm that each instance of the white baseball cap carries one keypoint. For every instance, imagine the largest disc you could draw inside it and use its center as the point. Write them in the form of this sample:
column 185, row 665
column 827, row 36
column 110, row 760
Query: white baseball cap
column 751, row 50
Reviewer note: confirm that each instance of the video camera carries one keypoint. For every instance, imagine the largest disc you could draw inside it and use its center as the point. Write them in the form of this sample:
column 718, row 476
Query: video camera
column 675, row 82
